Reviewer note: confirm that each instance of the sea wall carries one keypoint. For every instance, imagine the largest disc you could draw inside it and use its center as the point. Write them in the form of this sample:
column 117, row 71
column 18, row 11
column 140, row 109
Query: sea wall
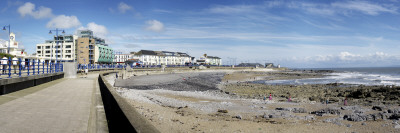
column 121, row 116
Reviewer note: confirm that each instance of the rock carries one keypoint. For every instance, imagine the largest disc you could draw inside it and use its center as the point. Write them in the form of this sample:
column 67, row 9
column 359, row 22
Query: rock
column 284, row 109
column 350, row 108
column 299, row 110
column 222, row 110
column 397, row 126
column 363, row 123
column 379, row 108
column 326, row 111
column 358, row 111
column 338, row 123
column 348, row 125
column 274, row 116
column 395, row 116
column 265, row 116
column 356, row 117
column 238, row 117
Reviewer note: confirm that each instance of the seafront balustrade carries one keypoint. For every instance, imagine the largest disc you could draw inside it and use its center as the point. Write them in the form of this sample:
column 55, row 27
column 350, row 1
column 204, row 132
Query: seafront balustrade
column 17, row 67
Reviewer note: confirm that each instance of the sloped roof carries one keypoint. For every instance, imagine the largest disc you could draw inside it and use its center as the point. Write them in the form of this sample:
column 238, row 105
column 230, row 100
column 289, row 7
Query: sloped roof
column 146, row 52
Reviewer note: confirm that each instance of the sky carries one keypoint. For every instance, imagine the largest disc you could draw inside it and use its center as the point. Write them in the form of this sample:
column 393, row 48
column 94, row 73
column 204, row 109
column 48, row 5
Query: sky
column 296, row 34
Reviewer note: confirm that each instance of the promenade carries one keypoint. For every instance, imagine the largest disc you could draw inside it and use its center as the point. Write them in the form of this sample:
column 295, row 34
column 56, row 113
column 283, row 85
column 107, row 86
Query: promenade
column 61, row 106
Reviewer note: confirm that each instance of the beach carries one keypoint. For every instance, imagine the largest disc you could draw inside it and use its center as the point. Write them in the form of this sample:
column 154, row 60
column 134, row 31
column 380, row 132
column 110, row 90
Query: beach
column 229, row 100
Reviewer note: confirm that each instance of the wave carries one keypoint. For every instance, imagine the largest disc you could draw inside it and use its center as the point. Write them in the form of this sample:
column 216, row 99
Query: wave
column 356, row 78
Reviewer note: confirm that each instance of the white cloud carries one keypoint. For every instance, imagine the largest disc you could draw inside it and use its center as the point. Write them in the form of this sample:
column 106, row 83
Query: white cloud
column 154, row 25
column 63, row 21
column 365, row 7
column 123, row 7
column 232, row 9
column 347, row 59
column 98, row 30
column 29, row 9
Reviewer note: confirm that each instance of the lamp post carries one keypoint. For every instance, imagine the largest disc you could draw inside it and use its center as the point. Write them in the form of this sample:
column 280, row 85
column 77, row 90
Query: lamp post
column 9, row 41
column 56, row 30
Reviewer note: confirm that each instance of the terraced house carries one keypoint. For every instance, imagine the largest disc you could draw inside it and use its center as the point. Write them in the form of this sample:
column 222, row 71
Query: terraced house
column 149, row 57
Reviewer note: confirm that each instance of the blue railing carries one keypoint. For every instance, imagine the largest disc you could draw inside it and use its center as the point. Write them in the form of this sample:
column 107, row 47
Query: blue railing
column 21, row 67
column 111, row 66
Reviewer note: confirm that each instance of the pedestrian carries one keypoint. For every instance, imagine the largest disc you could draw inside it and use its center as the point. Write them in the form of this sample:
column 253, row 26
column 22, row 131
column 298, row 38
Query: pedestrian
column 86, row 71
column 116, row 75
column 15, row 64
column 270, row 96
column 289, row 99
column 327, row 101
column 4, row 61
column 345, row 101
column 23, row 64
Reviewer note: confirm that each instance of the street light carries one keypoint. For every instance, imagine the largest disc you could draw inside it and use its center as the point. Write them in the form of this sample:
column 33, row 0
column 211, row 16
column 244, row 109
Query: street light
column 9, row 42
column 57, row 30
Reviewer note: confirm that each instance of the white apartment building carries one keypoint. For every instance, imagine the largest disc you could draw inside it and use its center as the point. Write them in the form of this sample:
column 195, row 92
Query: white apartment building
column 65, row 50
column 149, row 57
column 209, row 60
column 120, row 58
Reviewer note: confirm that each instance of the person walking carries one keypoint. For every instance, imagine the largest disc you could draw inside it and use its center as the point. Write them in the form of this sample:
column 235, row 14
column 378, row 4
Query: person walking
column 15, row 64
column 23, row 64
column 345, row 101
column 86, row 72
column 4, row 61
column 270, row 96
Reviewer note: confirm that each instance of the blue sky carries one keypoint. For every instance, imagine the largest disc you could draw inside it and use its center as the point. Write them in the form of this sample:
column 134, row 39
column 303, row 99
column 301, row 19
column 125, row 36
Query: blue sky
column 291, row 33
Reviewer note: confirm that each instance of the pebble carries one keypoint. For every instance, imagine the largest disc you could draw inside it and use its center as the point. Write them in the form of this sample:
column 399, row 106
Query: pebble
column 349, row 125
column 222, row 110
column 238, row 117
column 397, row 126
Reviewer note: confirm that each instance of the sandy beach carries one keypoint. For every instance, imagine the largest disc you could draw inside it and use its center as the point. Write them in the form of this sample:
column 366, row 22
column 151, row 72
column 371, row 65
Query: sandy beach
column 228, row 101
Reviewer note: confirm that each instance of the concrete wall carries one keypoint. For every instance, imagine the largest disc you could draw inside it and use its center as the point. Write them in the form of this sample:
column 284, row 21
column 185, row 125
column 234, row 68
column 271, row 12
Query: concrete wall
column 16, row 84
column 121, row 116
column 70, row 69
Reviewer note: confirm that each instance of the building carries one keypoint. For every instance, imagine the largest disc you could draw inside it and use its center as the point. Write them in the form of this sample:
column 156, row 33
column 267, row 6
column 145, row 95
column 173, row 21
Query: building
column 14, row 50
column 93, row 50
column 64, row 51
column 209, row 60
column 250, row 65
column 149, row 57
column 120, row 58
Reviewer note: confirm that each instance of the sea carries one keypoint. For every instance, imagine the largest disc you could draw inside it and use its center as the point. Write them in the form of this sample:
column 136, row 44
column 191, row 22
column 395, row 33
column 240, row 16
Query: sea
column 368, row 76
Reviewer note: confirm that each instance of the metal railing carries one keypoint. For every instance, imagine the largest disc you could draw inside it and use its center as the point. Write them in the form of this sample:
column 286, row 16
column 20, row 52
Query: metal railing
column 21, row 67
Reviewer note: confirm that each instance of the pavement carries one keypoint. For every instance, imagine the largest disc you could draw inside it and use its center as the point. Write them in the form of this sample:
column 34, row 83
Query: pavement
column 61, row 106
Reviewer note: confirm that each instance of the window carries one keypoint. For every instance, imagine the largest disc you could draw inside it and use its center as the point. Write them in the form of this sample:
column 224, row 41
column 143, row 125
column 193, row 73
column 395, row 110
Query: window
column 39, row 47
column 47, row 55
column 81, row 42
column 67, row 46
column 57, row 51
column 68, row 51
column 47, row 51
column 47, row 47
column 39, row 52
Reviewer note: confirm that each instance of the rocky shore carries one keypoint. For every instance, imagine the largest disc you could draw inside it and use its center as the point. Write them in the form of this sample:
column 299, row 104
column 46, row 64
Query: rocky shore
column 229, row 101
